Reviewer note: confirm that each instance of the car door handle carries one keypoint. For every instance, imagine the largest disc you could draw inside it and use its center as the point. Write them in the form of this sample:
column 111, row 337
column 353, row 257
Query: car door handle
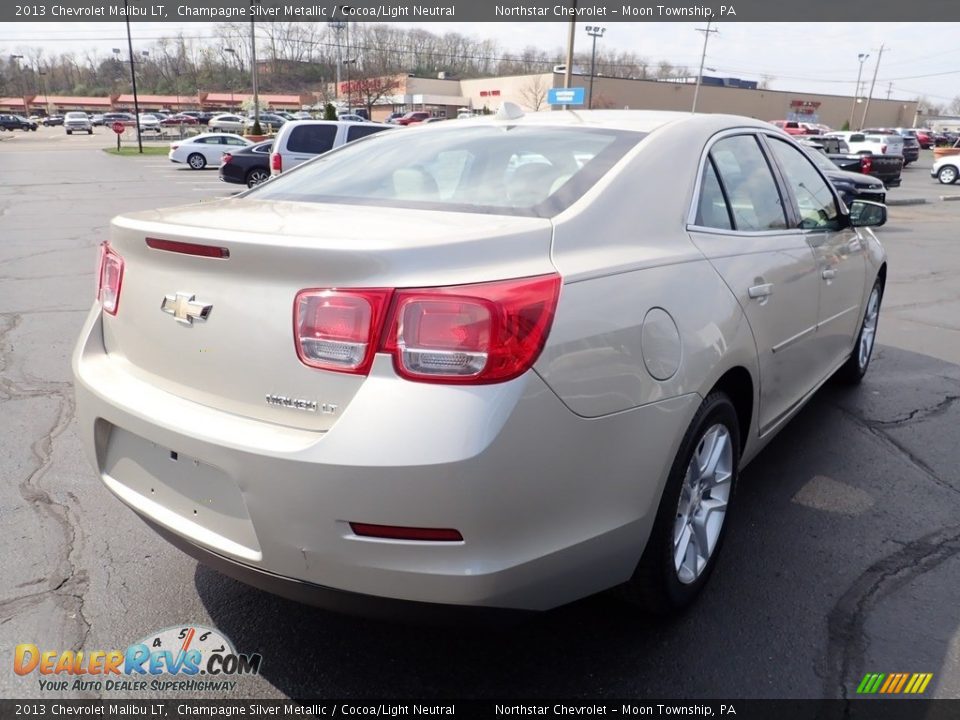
column 759, row 291
column 828, row 274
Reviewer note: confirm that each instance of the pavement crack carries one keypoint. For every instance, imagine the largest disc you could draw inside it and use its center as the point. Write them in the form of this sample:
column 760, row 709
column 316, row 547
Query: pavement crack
column 847, row 639
column 875, row 429
column 920, row 413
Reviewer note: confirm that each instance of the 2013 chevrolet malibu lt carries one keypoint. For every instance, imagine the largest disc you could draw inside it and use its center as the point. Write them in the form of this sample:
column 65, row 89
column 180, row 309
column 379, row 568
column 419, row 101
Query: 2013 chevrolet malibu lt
column 504, row 364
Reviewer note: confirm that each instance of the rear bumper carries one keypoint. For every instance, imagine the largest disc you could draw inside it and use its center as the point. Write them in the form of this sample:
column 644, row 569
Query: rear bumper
column 552, row 507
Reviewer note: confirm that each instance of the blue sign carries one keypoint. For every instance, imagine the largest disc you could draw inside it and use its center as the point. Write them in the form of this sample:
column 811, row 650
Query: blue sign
column 566, row 96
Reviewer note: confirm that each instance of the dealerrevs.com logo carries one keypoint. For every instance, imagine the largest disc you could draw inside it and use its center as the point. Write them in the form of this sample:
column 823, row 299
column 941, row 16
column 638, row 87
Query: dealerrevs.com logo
column 189, row 659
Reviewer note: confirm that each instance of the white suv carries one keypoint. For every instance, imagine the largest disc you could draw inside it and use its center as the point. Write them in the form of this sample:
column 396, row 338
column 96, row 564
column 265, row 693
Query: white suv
column 77, row 121
column 301, row 140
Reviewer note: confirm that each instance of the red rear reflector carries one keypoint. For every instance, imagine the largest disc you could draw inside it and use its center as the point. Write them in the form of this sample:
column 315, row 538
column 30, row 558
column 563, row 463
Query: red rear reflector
column 394, row 532
column 110, row 279
column 276, row 162
column 186, row 248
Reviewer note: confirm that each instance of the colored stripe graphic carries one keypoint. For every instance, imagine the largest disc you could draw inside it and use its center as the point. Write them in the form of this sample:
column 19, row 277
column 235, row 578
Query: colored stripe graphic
column 894, row 683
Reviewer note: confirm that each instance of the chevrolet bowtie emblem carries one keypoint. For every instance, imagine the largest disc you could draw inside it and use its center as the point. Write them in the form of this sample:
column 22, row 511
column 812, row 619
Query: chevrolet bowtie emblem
column 184, row 308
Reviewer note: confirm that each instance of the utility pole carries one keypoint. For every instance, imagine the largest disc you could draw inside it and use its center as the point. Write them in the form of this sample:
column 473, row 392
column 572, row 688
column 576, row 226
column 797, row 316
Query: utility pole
column 133, row 77
column 571, row 36
column 889, row 90
column 253, row 66
column 866, row 109
column 703, row 57
column 593, row 31
column 338, row 26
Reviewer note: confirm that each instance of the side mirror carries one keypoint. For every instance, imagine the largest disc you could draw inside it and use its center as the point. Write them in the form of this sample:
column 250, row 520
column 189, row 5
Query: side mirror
column 864, row 213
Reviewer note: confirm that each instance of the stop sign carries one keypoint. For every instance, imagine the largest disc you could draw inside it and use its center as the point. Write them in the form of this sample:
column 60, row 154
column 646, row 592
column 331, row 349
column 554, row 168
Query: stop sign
column 118, row 128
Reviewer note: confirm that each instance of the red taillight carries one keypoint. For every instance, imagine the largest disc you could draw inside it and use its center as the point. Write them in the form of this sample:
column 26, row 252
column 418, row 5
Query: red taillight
column 227, row 157
column 866, row 164
column 338, row 329
column 395, row 532
column 485, row 333
column 110, row 279
column 276, row 162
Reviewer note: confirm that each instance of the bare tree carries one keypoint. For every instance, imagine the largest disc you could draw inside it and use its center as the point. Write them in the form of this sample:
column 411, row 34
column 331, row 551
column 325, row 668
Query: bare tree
column 534, row 93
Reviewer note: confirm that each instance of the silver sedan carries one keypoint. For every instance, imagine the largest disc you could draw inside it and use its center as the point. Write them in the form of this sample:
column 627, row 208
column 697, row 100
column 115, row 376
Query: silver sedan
column 503, row 365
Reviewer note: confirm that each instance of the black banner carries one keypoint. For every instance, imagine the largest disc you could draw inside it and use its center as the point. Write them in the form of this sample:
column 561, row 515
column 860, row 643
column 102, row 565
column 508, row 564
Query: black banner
column 858, row 709
column 607, row 11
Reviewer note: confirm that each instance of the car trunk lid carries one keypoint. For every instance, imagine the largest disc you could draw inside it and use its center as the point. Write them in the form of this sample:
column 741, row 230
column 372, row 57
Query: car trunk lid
column 241, row 356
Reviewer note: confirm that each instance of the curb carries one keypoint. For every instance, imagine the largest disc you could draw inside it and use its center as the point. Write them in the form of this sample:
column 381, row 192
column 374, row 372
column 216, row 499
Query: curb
column 910, row 201
column 950, row 198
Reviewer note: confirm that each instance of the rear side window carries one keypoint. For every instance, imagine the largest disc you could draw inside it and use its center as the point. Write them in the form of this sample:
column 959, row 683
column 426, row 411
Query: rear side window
column 752, row 193
column 856, row 137
column 314, row 139
column 712, row 209
column 355, row 132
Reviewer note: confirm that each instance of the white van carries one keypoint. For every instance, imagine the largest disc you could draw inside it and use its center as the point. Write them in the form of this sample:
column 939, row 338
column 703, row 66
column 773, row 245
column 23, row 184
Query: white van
column 301, row 140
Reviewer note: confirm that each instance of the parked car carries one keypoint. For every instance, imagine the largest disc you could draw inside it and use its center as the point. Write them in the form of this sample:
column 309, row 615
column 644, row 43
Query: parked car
column 77, row 122
column 267, row 120
column 52, row 121
column 302, row 140
column 946, row 169
column 96, row 119
column 926, row 137
column 149, row 123
column 790, row 127
column 16, row 122
column 119, row 117
column 878, row 144
column 179, row 119
column 302, row 115
column 350, row 117
column 412, row 117
column 911, row 146
column 382, row 377
column 205, row 149
column 248, row 166
column 393, row 118
column 851, row 185
column 226, row 122
column 886, row 168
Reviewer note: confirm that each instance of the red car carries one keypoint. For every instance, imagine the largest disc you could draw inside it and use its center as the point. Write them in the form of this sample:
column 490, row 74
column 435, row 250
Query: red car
column 413, row 117
column 790, row 127
column 926, row 139
column 179, row 120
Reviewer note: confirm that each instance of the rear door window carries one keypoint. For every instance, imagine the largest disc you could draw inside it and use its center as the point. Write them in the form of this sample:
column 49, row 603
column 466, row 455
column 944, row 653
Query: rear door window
column 752, row 193
column 313, row 139
column 355, row 132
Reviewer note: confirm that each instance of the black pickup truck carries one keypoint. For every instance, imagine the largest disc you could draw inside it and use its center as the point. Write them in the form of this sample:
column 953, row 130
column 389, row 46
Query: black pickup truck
column 886, row 168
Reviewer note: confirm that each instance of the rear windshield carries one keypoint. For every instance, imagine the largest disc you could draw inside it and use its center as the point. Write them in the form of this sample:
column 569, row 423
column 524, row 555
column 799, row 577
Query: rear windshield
column 508, row 170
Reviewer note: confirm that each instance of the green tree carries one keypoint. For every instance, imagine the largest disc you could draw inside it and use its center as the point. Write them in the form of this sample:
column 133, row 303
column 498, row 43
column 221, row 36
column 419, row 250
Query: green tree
column 329, row 112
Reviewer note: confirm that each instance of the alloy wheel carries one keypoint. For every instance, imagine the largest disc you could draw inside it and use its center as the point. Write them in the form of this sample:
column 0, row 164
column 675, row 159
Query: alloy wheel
column 869, row 332
column 702, row 508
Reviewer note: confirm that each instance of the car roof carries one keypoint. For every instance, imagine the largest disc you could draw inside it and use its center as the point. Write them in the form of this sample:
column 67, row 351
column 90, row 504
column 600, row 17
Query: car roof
column 214, row 134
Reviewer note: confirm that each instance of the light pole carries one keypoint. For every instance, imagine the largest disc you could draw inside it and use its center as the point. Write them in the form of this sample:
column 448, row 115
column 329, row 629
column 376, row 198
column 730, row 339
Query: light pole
column 16, row 59
column 594, row 31
column 253, row 65
column 862, row 57
column 338, row 27
column 234, row 53
column 347, row 64
column 43, row 87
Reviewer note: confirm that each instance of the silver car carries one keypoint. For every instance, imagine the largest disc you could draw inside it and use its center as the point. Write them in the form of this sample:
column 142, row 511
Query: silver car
column 503, row 365
column 77, row 122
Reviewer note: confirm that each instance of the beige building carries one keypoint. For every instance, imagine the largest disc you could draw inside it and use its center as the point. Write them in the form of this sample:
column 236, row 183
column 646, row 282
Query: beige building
column 530, row 91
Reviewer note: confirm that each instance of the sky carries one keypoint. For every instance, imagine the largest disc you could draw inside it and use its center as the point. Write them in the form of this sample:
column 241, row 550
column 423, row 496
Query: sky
column 918, row 59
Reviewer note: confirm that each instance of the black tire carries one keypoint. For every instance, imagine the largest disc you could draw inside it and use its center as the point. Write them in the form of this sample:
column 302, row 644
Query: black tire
column 90, row 132
column 196, row 161
column 853, row 370
column 69, row 132
column 257, row 176
column 656, row 586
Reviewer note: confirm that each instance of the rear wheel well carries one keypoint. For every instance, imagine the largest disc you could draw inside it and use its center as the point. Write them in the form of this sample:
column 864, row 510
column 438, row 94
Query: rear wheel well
column 737, row 384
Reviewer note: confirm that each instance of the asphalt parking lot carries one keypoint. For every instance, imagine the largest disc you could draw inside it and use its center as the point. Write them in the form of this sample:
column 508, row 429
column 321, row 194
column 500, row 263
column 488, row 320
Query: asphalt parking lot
column 842, row 558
